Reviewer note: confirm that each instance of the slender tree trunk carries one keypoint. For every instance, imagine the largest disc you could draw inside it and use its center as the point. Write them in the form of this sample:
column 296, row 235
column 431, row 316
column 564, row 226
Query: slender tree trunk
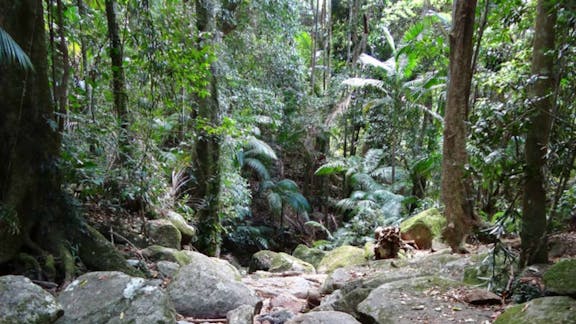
column 206, row 155
column 533, row 231
column 118, row 80
column 62, row 95
column 455, row 195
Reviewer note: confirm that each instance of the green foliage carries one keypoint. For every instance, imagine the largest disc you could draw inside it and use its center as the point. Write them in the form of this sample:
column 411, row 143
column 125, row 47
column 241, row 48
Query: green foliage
column 11, row 52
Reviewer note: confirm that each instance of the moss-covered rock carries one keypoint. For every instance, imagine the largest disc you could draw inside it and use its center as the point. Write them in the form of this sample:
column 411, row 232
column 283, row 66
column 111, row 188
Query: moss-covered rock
column 561, row 277
column 188, row 232
column 285, row 262
column 163, row 232
column 97, row 253
column 369, row 251
column 423, row 227
column 341, row 257
column 546, row 310
column 261, row 260
column 310, row 255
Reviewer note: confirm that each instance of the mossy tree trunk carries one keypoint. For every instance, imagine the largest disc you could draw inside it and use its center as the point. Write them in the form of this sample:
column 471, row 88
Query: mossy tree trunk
column 118, row 79
column 206, row 152
column 533, row 231
column 37, row 221
column 455, row 195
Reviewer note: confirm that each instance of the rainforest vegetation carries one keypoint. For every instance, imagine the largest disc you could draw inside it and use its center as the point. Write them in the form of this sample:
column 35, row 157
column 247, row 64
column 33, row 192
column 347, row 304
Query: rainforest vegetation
column 272, row 123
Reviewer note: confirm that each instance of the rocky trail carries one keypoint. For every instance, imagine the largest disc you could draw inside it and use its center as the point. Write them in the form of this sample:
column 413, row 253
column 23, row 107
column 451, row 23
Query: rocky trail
column 341, row 286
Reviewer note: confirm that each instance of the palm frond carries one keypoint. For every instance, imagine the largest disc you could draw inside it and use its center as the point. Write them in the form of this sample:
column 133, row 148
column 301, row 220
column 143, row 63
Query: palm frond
column 11, row 52
column 389, row 65
column 321, row 227
column 259, row 147
column 364, row 82
column 286, row 185
column 390, row 39
column 297, row 201
column 274, row 202
column 332, row 167
column 258, row 167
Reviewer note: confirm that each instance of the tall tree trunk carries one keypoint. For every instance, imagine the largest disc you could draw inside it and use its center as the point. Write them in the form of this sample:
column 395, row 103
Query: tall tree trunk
column 455, row 195
column 62, row 90
column 118, row 81
column 36, row 219
column 28, row 146
column 533, row 231
column 206, row 155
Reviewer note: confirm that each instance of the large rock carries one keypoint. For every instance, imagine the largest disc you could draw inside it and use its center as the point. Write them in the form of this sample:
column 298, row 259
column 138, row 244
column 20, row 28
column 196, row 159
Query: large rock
column 323, row 317
column 114, row 297
column 261, row 260
column 423, row 228
column 310, row 255
column 278, row 262
column 411, row 301
column 341, row 257
column 21, row 301
column 184, row 257
column 560, row 279
column 241, row 315
column 546, row 310
column 162, row 232
column 188, row 232
column 205, row 288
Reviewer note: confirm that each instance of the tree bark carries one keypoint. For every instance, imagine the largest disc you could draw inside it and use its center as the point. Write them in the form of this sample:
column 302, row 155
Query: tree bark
column 206, row 154
column 455, row 195
column 533, row 231
column 118, row 80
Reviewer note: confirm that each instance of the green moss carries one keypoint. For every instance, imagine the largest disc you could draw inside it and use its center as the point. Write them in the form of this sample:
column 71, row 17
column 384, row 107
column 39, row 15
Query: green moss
column 98, row 253
column 341, row 257
column 431, row 218
column 285, row 262
column 561, row 277
column 310, row 255
column 161, row 253
column 546, row 310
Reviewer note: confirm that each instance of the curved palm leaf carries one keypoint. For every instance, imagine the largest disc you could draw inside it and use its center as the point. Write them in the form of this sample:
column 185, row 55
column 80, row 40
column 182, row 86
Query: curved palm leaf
column 11, row 52
column 257, row 166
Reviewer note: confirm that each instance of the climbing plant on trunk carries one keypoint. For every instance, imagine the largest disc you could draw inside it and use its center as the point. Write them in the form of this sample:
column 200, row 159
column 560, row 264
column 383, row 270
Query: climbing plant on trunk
column 206, row 151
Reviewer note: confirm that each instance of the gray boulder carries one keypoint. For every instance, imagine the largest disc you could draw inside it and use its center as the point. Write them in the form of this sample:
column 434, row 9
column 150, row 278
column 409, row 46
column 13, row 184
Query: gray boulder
column 546, row 310
column 21, row 301
column 163, row 233
column 114, row 297
column 241, row 315
column 167, row 268
column 324, row 317
column 207, row 288
column 390, row 303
